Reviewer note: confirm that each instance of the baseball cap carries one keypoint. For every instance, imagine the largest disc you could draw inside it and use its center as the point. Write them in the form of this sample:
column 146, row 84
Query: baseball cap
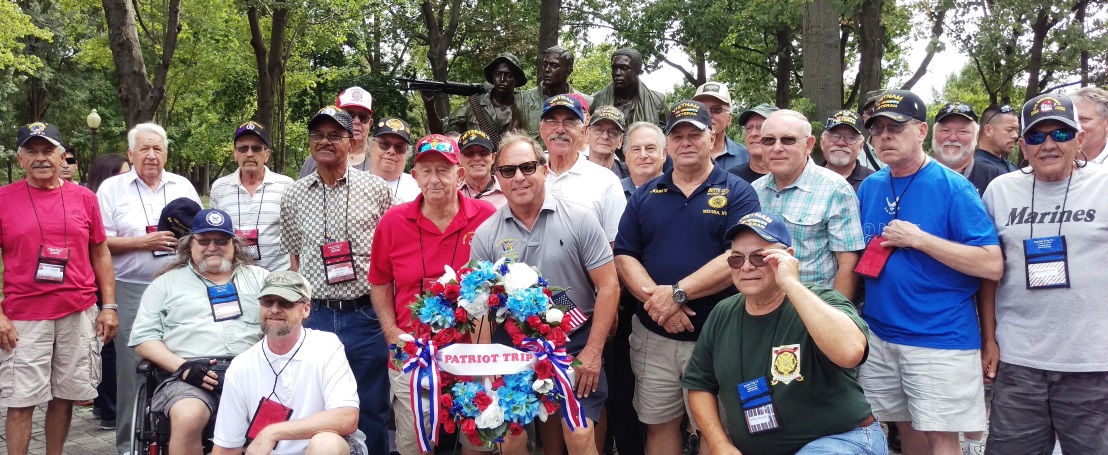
column 1049, row 106
column 956, row 108
column 393, row 125
column 717, row 90
column 763, row 110
column 844, row 117
column 334, row 114
column 609, row 113
column 475, row 137
column 900, row 106
column 287, row 285
column 39, row 129
column 212, row 220
column 355, row 96
column 871, row 97
column 513, row 66
column 177, row 216
column 563, row 102
column 253, row 127
column 437, row 144
column 689, row 111
column 770, row 227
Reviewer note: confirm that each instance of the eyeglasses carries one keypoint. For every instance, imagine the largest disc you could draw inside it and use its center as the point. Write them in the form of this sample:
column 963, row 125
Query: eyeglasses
column 568, row 123
column 244, row 149
column 737, row 261
column 894, row 128
column 1058, row 135
column 748, row 128
column 769, row 141
column 1005, row 109
column 716, row 110
column 332, row 138
column 849, row 138
column 471, row 151
column 443, row 147
column 509, row 171
column 218, row 242
column 610, row 132
column 283, row 303
column 70, row 160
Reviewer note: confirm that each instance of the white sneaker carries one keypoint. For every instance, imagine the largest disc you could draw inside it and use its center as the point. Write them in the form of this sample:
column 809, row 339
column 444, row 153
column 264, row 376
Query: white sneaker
column 971, row 447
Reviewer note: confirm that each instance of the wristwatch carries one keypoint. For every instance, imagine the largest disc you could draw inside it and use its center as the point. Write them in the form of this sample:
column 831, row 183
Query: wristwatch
column 679, row 295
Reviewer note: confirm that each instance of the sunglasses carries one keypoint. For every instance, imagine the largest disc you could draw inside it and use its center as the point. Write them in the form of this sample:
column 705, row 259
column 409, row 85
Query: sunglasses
column 1005, row 109
column 527, row 168
column 436, row 146
column 283, row 303
column 736, row 261
column 470, row 152
column 218, row 242
column 894, row 128
column 332, row 138
column 70, row 160
column 769, row 141
column 1058, row 135
column 716, row 110
column 364, row 117
column 244, row 149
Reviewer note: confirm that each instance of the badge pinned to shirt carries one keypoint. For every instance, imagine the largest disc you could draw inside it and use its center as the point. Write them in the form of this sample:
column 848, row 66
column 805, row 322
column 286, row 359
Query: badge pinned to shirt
column 1046, row 262
column 51, row 264
column 758, row 410
column 785, row 364
column 225, row 302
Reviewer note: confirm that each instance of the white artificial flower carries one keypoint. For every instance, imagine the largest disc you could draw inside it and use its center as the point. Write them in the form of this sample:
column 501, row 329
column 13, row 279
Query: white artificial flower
column 542, row 412
column 478, row 307
column 502, row 314
column 554, row 316
column 449, row 276
column 543, row 385
column 407, row 337
column 492, row 417
column 425, row 383
column 520, row 276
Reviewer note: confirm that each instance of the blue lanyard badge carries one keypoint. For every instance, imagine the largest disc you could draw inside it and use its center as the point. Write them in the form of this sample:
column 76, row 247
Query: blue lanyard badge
column 225, row 302
column 758, row 409
column 1046, row 263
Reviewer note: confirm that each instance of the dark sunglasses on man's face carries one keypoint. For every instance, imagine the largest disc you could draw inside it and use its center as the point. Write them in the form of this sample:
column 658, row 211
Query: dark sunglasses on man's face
column 527, row 168
column 70, row 160
column 471, row 151
column 283, row 303
column 737, row 261
column 769, row 141
column 218, row 242
column 1058, row 135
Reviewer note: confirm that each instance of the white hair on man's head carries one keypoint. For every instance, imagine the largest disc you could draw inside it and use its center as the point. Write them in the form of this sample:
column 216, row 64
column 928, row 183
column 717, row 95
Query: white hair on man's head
column 807, row 126
column 148, row 127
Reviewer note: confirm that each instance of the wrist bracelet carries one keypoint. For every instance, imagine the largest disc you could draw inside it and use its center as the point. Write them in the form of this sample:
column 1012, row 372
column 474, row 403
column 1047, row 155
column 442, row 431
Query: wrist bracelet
column 111, row 306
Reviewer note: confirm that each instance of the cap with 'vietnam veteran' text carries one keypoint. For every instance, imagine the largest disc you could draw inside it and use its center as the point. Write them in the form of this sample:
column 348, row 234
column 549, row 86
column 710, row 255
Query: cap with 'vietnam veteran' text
column 769, row 226
column 609, row 113
column 900, row 106
column 844, row 117
column 563, row 102
column 692, row 112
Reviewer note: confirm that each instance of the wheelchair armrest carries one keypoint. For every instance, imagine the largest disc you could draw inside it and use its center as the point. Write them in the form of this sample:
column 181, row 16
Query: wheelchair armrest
column 145, row 366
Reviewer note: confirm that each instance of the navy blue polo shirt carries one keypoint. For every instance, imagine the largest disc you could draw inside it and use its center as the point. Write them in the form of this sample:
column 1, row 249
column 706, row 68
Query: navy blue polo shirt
column 674, row 236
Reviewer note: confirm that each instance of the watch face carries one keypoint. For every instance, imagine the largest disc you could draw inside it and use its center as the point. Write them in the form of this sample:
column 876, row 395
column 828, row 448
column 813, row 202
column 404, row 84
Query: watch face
column 680, row 296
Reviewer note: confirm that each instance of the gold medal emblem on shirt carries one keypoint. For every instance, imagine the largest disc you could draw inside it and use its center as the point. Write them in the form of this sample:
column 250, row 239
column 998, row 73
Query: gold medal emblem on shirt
column 717, row 202
column 785, row 364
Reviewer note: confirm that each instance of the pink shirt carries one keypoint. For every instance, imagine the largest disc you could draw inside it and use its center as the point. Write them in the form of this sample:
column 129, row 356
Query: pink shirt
column 407, row 247
column 70, row 218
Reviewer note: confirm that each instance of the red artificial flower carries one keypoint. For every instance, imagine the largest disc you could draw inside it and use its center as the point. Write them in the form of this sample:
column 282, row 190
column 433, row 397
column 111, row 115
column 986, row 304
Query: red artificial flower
column 445, row 336
column 464, row 271
column 498, row 289
column 463, row 378
column 446, row 401
column 515, row 429
column 447, row 423
column 544, row 329
column 410, row 348
column 452, row 292
column 460, row 315
column 557, row 336
column 437, row 288
column 498, row 383
column 551, row 407
column 469, row 427
column 547, row 292
column 534, row 321
column 482, row 400
column 422, row 331
column 544, row 369
column 494, row 301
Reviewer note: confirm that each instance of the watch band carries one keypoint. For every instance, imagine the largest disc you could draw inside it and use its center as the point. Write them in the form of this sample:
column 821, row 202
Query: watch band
column 111, row 306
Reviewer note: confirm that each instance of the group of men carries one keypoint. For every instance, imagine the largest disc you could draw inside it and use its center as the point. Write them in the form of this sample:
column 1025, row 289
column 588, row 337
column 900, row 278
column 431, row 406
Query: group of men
column 754, row 247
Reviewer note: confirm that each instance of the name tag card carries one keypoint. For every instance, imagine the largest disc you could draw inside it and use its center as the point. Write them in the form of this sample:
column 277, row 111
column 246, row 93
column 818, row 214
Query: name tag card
column 758, row 410
column 157, row 253
column 1046, row 262
column 51, row 264
column 225, row 302
column 250, row 242
column 338, row 262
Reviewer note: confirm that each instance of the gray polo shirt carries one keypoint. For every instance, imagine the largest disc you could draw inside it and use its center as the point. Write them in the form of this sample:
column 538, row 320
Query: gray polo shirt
column 565, row 243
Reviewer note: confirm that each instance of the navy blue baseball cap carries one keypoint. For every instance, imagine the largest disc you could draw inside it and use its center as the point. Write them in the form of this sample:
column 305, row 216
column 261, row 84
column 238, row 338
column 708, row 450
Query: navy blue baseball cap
column 770, row 227
column 692, row 112
column 254, row 128
column 177, row 216
column 563, row 102
column 212, row 220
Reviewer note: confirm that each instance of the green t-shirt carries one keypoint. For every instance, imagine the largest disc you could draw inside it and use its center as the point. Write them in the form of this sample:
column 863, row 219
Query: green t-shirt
column 815, row 400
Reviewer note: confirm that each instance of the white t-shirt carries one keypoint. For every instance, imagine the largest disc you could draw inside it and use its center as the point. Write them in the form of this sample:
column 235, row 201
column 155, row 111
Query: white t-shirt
column 127, row 206
column 317, row 379
column 404, row 188
column 593, row 186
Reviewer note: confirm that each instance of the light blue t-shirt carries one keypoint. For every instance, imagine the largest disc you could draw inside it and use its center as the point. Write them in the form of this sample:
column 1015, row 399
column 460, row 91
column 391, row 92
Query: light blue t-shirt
column 917, row 300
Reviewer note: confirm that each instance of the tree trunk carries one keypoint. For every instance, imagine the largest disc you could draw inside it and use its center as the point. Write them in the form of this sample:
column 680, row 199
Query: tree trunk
column 1083, row 64
column 932, row 47
column 439, row 38
column 269, row 62
column 784, row 72
column 1035, row 54
column 139, row 96
column 550, row 24
column 823, row 72
column 871, row 46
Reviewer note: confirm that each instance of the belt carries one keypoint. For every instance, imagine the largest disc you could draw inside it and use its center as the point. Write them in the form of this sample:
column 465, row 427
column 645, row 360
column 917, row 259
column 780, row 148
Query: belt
column 869, row 420
column 343, row 304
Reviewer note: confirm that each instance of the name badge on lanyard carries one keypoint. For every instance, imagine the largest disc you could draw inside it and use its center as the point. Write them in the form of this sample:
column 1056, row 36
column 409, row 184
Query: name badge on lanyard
column 250, row 242
column 157, row 253
column 758, row 409
column 1046, row 262
column 338, row 262
column 225, row 302
column 51, row 264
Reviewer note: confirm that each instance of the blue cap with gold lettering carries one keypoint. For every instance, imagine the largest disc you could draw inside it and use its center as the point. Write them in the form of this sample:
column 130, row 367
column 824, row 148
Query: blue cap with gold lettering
column 770, row 227
column 691, row 112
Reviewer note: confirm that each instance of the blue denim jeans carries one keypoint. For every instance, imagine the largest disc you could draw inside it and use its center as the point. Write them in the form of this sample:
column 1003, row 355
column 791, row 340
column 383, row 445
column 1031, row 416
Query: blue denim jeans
column 366, row 350
column 861, row 441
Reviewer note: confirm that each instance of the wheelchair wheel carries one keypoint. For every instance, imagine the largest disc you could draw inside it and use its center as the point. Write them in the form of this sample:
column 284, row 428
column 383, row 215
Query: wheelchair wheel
column 139, row 418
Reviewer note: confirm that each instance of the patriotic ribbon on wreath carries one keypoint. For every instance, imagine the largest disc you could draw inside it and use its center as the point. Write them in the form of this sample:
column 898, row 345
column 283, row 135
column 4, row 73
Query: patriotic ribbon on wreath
column 421, row 365
column 573, row 413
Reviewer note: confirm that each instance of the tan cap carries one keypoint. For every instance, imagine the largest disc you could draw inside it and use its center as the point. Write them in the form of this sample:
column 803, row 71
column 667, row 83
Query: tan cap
column 717, row 90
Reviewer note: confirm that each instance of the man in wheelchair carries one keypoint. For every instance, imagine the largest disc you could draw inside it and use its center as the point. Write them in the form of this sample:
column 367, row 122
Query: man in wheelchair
column 203, row 305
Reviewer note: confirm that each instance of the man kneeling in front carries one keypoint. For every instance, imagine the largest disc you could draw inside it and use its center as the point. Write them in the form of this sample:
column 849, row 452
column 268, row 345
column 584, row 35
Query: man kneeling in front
column 293, row 392
column 790, row 387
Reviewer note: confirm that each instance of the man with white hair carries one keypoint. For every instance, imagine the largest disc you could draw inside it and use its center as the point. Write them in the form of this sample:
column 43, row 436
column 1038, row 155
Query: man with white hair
column 131, row 205
column 954, row 141
column 1092, row 111
column 842, row 141
column 388, row 154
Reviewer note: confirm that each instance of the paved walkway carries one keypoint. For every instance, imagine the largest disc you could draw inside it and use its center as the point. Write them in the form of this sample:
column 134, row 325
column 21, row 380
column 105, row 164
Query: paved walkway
column 85, row 435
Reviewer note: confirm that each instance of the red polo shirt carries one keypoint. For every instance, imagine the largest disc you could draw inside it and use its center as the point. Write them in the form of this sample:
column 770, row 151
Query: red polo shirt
column 408, row 247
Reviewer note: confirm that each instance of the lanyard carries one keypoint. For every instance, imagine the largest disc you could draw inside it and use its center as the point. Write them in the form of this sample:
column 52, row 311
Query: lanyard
column 206, row 282
column 326, row 214
column 423, row 258
column 138, row 189
column 65, row 225
column 742, row 336
column 1065, row 199
column 896, row 210
column 261, row 204
column 487, row 190
column 277, row 374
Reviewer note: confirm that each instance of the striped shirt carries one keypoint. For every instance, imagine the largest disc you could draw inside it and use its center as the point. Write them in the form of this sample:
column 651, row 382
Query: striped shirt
column 262, row 212
column 822, row 214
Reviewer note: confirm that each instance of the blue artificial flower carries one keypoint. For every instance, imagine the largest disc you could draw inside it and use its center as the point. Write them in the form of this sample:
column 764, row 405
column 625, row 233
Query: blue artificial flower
column 474, row 281
column 464, row 393
column 527, row 302
column 436, row 312
column 517, row 399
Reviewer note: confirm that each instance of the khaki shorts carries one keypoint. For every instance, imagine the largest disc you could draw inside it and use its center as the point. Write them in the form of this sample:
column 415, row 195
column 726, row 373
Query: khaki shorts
column 934, row 389
column 406, row 438
column 659, row 364
column 58, row 358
